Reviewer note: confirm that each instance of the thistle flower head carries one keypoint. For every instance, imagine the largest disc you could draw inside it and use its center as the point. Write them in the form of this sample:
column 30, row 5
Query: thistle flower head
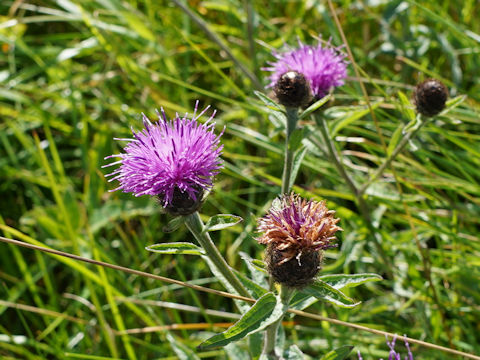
column 292, row 90
column 324, row 67
column 172, row 159
column 295, row 231
column 430, row 97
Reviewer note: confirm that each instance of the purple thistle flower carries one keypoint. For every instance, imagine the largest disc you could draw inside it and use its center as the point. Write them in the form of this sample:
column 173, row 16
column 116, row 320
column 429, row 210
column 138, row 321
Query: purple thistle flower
column 323, row 67
column 169, row 158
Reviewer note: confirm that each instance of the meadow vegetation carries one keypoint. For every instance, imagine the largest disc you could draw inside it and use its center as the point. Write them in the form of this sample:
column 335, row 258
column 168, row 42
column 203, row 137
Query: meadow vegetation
column 75, row 74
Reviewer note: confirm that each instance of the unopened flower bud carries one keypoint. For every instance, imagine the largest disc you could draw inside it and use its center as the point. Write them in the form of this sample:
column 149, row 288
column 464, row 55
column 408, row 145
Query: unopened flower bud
column 430, row 97
column 292, row 90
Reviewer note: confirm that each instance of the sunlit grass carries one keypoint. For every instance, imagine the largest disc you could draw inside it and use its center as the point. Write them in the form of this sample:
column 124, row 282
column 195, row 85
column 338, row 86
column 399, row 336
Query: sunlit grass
column 76, row 74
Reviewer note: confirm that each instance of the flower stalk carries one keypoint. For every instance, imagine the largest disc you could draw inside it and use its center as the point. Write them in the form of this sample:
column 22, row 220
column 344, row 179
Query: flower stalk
column 286, row 293
column 292, row 118
column 195, row 224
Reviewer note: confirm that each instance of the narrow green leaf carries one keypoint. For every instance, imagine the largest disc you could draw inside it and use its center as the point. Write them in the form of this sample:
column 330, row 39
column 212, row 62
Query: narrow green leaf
column 340, row 281
column 323, row 291
column 453, row 103
column 221, row 221
column 412, row 125
column 138, row 25
column 301, row 301
column 259, row 265
column 314, row 106
column 297, row 162
column 338, row 354
column 253, row 288
column 407, row 106
column 184, row 248
column 394, row 139
column 269, row 102
column 257, row 276
column 351, row 116
column 295, row 139
column 173, row 224
column 264, row 312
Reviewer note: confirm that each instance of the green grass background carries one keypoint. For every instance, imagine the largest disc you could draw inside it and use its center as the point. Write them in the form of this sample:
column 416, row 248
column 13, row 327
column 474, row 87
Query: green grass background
column 75, row 74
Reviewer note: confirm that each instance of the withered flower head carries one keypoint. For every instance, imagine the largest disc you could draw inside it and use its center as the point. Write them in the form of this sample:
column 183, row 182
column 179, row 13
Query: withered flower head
column 430, row 97
column 296, row 231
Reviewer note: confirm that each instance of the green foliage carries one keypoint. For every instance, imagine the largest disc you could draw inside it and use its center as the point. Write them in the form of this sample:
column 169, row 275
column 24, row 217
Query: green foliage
column 266, row 310
column 76, row 74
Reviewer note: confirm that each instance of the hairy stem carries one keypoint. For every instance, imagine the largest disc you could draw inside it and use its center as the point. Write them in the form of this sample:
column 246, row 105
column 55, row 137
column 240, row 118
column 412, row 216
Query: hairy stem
column 292, row 118
column 286, row 295
column 195, row 225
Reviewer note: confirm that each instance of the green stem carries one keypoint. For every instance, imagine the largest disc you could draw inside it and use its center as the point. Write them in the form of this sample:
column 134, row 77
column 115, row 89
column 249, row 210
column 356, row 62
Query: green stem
column 286, row 295
column 196, row 227
column 393, row 155
column 362, row 204
column 333, row 154
column 292, row 118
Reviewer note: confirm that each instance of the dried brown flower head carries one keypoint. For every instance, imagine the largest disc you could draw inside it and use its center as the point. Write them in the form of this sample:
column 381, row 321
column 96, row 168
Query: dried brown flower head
column 295, row 231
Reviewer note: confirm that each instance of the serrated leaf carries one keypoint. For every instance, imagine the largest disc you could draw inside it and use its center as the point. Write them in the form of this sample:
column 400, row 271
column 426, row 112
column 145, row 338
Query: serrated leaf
column 323, row 291
column 267, row 101
column 340, row 281
column 338, row 354
column 184, row 248
column 264, row 312
column 173, row 224
column 293, row 353
column 221, row 221
column 314, row 106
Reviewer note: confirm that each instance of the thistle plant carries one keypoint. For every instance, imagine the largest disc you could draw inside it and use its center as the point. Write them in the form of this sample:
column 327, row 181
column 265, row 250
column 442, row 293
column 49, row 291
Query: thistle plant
column 365, row 177
column 176, row 161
